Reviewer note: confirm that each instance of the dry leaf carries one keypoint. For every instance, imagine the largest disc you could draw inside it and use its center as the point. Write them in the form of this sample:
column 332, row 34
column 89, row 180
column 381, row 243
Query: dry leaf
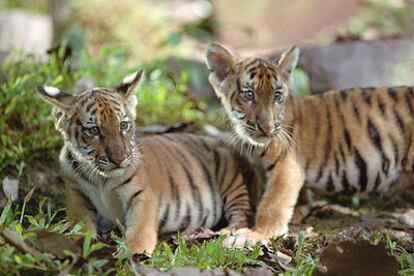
column 358, row 258
column 55, row 243
column 284, row 260
column 15, row 240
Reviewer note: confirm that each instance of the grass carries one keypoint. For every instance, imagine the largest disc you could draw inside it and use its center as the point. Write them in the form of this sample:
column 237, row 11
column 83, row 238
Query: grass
column 95, row 256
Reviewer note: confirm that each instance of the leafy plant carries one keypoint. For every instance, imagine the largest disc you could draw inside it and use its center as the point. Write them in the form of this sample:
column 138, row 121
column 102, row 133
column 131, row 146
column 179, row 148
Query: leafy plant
column 210, row 255
column 25, row 121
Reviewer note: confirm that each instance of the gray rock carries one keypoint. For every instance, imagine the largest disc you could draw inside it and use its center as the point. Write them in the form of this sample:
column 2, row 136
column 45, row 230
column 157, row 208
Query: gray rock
column 29, row 32
column 359, row 64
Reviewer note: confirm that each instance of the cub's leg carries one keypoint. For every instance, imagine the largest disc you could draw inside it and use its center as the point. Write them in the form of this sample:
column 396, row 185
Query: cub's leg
column 276, row 207
column 142, row 222
column 237, row 206
column 80, row 208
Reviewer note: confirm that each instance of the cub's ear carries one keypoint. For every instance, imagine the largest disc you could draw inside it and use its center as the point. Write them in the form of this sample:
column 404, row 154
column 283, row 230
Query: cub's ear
column 220, row 61
column 129, row 83
column 287, row 62
column 57, row 98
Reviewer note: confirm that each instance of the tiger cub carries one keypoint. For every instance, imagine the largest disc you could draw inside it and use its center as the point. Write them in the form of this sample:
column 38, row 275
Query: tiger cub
column 152, row 185
column 347, row 141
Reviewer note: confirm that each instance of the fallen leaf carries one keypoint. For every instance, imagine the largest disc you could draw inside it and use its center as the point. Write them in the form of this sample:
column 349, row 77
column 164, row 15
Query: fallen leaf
column 358, row 258
column 55, row 243
column 15, row 240
column 11, row 188
column 284, row 260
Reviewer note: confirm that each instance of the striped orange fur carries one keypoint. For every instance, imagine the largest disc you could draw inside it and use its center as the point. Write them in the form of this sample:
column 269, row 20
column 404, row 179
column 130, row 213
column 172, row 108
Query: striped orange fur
column 348, row 141
column 151, row 185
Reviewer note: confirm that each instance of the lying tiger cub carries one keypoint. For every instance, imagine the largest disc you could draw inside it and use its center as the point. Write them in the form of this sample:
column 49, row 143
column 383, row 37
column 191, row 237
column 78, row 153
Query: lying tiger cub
column 152, row 185
column 348, row 141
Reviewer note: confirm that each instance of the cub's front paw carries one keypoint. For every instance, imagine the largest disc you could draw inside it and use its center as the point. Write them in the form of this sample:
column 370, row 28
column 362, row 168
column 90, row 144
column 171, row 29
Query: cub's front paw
column 244, row 237
column 139, row 247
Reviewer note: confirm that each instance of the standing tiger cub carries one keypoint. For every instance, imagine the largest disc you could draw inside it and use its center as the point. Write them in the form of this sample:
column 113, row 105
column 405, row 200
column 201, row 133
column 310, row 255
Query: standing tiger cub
column 348, row 141
column 152, row 185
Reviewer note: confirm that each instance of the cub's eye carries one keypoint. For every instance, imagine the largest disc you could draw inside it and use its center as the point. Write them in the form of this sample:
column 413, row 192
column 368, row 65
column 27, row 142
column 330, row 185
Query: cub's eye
column 278, row 96
column 124, row 126
column 249, row 95
column 92, row 131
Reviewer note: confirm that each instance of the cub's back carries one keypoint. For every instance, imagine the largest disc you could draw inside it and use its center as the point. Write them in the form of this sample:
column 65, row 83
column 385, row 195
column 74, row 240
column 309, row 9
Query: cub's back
column 191, row 173
column 355, row 136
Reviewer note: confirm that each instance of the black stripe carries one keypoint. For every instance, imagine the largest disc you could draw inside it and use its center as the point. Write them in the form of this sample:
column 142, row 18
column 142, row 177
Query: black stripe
column 89, row 106
column 195, row 193
column 126, row 181
column 235, row 175
column 363, row 173
column 169, row 157
column 88, row 203
column 252, row 62
column 187, row 218
column 341, row 151
column 375, row 137
column 381, row 104
column 366, row 95
column 206, row 172
column 229, row 190
column 328, row 144
column 408, row 101
column 319, row 174
column 376, row 185
column 237, row 200
column 347, row 138
column 356, row 111
column 393, row 94
column 164, row 217
column 176, row 196
column 400, row 121
column 329, row 185
column 137, row 193
column 345, row 183
column 344, row 94
column 281, row 156
column 395, row 149
column 337, row 165
column 75, row 165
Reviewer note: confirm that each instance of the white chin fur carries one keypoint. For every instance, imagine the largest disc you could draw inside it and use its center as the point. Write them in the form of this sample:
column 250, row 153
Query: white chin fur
column 244, row 136
column 112, row 173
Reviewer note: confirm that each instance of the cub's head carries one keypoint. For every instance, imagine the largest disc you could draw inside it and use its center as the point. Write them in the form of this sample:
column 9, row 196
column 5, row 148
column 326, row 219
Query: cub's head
column 253, row 91
column 98, row 125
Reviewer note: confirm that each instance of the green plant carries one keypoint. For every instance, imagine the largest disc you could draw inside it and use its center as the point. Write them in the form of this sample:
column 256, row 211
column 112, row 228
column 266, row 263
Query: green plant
column 305, row 264
column 209, row 255
column 25, row 121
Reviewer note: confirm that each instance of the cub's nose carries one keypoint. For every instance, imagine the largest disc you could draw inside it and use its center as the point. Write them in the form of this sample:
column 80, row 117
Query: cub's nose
column 265, row 129
column 117, row 160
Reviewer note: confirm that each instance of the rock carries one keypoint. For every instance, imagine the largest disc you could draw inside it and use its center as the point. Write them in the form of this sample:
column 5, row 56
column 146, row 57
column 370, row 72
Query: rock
column 359, row 64
column 29, row 32
column 11, row 188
